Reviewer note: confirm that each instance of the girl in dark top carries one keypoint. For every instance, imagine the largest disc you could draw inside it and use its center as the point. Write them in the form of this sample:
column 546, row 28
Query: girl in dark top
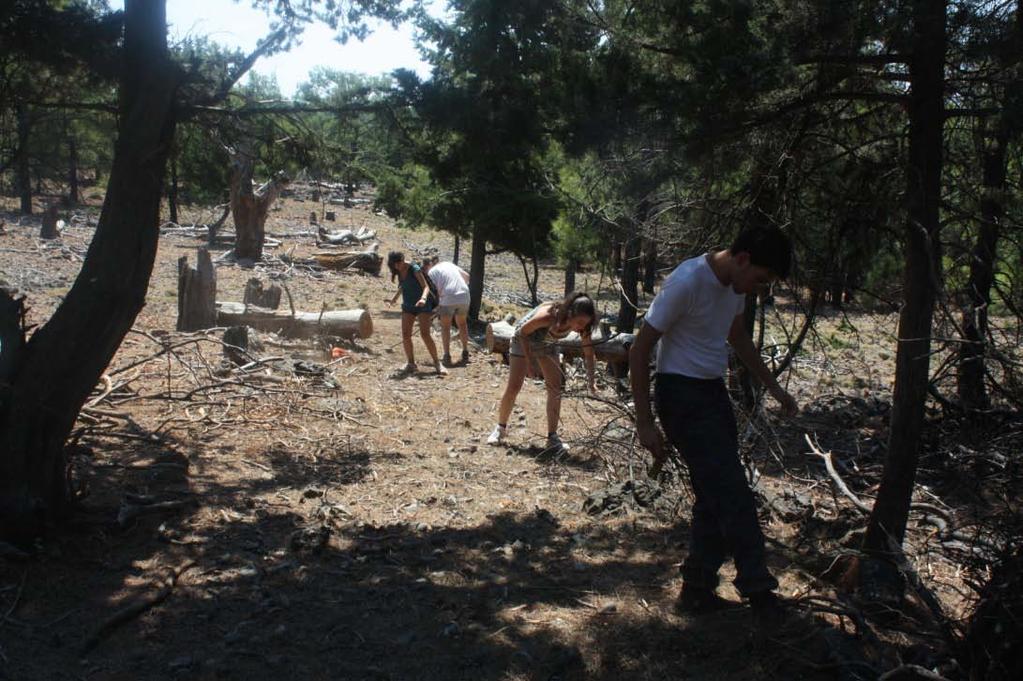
column 536, row 336
column 416, row 304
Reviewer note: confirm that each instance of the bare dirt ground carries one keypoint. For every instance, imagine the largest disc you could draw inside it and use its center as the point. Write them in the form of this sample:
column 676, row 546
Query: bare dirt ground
column 346, row 524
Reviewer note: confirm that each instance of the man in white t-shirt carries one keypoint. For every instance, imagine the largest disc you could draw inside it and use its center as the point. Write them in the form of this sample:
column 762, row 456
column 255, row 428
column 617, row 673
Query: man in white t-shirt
column 452, row 284
column 699, row 308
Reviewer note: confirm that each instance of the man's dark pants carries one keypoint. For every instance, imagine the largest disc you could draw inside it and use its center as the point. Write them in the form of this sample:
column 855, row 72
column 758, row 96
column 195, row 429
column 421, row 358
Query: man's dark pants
column 697, row 417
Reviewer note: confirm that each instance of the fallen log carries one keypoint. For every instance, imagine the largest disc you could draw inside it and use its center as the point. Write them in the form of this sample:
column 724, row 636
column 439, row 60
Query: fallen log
column 613, row 349
column 368, row 260
column 346, row 236
column 341, row 323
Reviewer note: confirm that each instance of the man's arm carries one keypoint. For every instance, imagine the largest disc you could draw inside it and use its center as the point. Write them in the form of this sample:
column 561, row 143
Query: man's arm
column 747, row 352
column 639, row 377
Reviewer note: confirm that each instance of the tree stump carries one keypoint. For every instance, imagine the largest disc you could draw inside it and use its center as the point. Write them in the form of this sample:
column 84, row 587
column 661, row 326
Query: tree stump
column 312, row 218
column 236, row 345
column 255, row 294
column 197, row 293
column 49, row 227
column 331, row 216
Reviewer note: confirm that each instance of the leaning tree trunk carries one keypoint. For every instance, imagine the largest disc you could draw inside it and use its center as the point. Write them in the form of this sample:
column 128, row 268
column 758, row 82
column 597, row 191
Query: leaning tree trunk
column 63, row 360
column 887, row 524
column 629, row 294
column 249, row 207
column 477, row 263
column 22, row 169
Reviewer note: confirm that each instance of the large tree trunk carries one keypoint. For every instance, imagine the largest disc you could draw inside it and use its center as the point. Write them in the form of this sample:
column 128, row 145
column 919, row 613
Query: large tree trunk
column 458, row 244
column 73, row 195
column 629, row 295
column 649, row 264
column 971, row 387
column 249, row 207
column 64, row 359
column 22, row 169
column 477, row 263
column 570, row 269
column 172, row 190
column 922, row 252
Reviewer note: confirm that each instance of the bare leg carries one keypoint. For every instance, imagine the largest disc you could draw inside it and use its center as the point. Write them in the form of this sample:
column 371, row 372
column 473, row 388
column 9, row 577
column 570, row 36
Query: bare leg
column 463, row 331
column 552, row 378
column 516, row 375
column 407, row 320
column 425, row 319
column 445, row 335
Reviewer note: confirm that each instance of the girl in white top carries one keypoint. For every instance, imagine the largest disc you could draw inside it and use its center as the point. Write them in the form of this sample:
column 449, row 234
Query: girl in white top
column 452, row 284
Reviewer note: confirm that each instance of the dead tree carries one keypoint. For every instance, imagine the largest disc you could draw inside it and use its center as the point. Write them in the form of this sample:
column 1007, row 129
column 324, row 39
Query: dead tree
column 197, row 293
column 249, row 206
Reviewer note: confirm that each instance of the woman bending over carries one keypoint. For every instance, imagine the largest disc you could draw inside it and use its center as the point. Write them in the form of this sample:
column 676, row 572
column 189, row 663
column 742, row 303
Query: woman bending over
column 536, row 336
column 416, row 304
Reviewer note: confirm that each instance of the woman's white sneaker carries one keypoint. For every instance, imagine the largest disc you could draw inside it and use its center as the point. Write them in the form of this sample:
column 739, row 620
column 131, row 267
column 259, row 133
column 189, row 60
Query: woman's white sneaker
column 497, row 435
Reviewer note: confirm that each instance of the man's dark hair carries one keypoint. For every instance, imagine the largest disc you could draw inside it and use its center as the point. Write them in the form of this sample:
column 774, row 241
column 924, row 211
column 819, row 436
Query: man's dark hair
column 767, row 247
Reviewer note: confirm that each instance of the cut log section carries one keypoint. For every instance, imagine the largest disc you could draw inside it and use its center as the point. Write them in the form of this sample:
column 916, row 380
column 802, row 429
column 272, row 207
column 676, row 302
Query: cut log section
column 341, row 323
column 368, row 260
column 614, row 350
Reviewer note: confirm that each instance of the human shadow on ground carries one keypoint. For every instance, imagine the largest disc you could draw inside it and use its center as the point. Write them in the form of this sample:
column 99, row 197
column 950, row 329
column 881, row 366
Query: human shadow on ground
column 287, row 581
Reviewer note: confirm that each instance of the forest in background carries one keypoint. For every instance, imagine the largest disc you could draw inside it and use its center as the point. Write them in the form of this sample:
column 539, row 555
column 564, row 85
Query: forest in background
column 611, row 137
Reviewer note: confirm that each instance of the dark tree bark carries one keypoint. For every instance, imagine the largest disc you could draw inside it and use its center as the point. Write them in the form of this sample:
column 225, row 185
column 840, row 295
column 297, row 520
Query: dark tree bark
column 922, row 254
column 172, row 190
column 249, row 207
column 458, row 245
column 649, row 265
column 616, row 256
column 48, row 228
column 746, row 380
column 477, row 264
column 570, row 269
column 197, row 293
column 532, row 282
column 73, row 193
column 22, row 169
column 629, row 294
column 64, row 359
column 972, row 389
